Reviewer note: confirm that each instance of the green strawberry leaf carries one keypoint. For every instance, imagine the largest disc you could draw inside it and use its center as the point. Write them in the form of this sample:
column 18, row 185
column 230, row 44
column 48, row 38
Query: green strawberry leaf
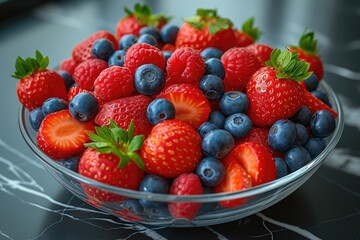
column 308, row 42
column 144, row 15
column 288, row 65
column 250, row 30
column 27, row 67
column 118, row 141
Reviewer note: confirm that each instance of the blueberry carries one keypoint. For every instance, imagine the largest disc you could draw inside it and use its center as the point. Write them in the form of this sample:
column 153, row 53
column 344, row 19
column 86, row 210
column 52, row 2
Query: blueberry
column 233, row 102
column 281, row 167
column 322, row 123
column 215, row 66
column 211, row 52
column 148, row 38
column 68, row 79
column 205, row 128
column 133, row 205
column 117, row 58
column 296, row 158
column 315, row 146
column 217, row 118
column 149, row 79
column 212, row 86
column 302, row 116
column 168, row 33
column 52, row 105
column 167, row 54
column 211, row 171
column 84, row 106
column 71, row 163
column 238, row 124
column 35, row 118
column 102, row 49
column 159, row 110
column 322, row 96
column 127, row 41
column 153, row 184
column 150, row 30
column 301, row 134
column 282, row 135
column 217, row 143
column 312, row 82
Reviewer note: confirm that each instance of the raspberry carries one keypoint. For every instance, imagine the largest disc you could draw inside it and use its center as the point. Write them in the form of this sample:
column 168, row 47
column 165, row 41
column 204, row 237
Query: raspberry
column 114, row 82
column 143, row 53
column 239, row 64
column 185, row 184
column 87, row 71
column 68, row 65
column 185, row 66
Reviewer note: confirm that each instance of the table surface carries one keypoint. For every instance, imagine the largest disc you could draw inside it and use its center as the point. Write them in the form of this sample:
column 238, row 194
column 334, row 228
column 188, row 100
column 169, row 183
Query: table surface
column 35, row 206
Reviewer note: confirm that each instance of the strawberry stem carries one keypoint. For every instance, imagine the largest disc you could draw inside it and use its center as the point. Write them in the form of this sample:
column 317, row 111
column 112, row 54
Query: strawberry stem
column 119, row 142
column 288, row 65
column 250, row 30
column 27, row 67
column 144, row 15
column 209, row 18
column 308, row 42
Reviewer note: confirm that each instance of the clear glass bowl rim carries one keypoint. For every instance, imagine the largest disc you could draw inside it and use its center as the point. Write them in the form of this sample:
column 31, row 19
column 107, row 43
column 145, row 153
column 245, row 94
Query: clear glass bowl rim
column 211, row 197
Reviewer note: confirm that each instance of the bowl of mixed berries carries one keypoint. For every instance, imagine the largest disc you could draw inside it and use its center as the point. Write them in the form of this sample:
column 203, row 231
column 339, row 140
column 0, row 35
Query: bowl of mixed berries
column 181, row 126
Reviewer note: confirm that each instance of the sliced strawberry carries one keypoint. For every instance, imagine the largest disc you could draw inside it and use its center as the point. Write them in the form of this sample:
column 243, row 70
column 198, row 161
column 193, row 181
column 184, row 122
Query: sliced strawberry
column 257, row 160
column 236, row 179
column 61, row 136
column 315, row 104
column 191, row 105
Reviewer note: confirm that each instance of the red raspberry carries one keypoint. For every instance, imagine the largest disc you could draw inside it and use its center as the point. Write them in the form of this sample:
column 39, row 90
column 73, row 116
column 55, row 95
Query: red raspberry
column 73, row 91
column 240, row 64
column 185, row 184
column 261, row 51
column 185, row 66
column 68, row 65
column 114, row 82
column 143, row 53
column 87, row 71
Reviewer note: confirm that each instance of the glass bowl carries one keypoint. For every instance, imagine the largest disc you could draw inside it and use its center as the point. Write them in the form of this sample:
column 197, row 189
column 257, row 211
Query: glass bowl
column 256, row 198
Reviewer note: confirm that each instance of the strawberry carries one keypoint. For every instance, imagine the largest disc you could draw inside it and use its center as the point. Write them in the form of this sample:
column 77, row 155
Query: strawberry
column 123, row 110
column 248, row 33
column 183, row 185
column 140, row 17
column 61, row 136
column 37, row 83
column 87, row 71
column 143, row 53
column 256, row 160
column 114, row 82
column 172, row 148
column 273, row 91
column 315, row 104
column 82, row 50
column 112, row 159
column 261, row 51
column 308, row 52
column 68, row 65
column 206, row 29
column 185, row 66
column 239, row 65
column 190, row 103
column 259, row 135
column 236, row 179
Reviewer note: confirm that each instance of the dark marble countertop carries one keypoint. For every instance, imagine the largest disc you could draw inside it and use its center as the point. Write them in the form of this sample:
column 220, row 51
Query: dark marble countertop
column 35, row 206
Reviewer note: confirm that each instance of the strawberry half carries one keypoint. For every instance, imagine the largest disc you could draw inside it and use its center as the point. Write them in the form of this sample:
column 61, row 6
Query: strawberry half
column 61, row 136
column 257, row 161
column 191, row 105
column 236, row 179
